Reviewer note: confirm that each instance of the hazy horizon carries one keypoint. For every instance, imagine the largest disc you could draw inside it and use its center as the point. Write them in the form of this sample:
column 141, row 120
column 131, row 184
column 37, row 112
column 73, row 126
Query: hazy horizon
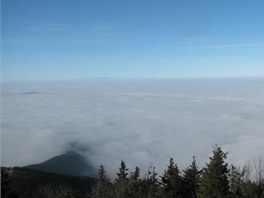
column 141, row 121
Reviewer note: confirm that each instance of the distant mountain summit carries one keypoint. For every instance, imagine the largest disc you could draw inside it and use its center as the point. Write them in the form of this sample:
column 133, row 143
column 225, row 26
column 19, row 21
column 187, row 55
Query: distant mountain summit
column 70, row 163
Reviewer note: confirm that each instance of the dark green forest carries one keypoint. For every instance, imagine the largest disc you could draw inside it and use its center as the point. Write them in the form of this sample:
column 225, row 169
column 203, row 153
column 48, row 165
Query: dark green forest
column 217, row 179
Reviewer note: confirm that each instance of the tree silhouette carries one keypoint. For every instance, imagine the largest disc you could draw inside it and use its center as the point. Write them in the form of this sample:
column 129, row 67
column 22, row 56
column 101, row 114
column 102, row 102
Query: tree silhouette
column 191, row 179
column 150, row 184
column 171, row 181
column 134, row 184
column 102, row 187
column 214, row 182
column 121, row 182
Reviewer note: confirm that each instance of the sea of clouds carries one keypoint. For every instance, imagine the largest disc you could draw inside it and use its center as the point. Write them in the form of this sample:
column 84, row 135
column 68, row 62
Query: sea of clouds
column 139, row 121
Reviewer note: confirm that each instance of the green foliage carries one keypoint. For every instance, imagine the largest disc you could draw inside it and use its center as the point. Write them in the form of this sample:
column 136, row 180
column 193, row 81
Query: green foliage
column 235, row 180
column 26, row 183
column 191, row 179
column 214, row 182
column 50, row 191
column 171, row 181
column 134, row 184
column 121, row 182
column 6, row 183
column 150, row 184
column 102, row 188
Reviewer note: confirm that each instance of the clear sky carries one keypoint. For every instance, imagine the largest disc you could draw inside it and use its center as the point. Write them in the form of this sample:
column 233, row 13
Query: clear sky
column 69, row 39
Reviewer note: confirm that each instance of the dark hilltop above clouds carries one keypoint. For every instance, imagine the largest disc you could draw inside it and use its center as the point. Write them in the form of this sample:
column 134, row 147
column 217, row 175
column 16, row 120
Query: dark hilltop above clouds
column 69, row 163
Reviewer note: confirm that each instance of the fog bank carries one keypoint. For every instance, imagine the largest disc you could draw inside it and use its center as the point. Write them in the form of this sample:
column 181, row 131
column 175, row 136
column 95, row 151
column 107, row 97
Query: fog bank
column 139, row 121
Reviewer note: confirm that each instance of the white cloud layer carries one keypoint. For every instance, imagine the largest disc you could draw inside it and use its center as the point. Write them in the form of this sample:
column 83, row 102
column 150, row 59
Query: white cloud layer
column 139, row 121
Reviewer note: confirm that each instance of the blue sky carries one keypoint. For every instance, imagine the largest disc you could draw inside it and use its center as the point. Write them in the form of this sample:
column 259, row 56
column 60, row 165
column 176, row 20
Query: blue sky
column 69, row 39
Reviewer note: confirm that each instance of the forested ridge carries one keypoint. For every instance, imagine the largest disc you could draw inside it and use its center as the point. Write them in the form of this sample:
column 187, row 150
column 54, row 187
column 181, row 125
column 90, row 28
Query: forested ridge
column 217, row 179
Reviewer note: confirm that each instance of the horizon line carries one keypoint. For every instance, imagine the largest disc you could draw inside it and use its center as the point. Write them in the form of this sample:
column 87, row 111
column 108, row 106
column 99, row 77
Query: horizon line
column 132, row 78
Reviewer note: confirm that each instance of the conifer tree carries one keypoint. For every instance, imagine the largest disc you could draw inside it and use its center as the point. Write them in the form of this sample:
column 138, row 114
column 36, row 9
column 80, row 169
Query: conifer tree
column 191, row 179
column 121, row 182
column 102, row 187
column 214, row 181
column 236, row 181
column 134, row 184
column 171, row 182
column 150, row 184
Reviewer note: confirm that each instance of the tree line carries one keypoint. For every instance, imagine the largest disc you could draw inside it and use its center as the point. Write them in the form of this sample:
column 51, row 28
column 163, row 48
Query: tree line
column 216, row 180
